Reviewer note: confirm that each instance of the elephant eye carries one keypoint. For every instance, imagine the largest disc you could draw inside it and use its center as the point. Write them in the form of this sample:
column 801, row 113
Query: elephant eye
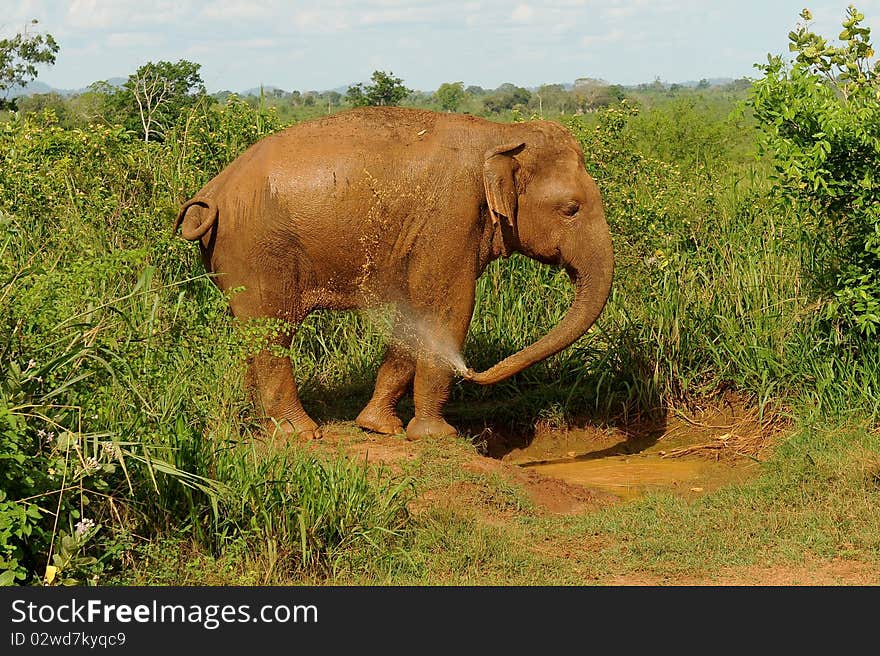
column 571, row 208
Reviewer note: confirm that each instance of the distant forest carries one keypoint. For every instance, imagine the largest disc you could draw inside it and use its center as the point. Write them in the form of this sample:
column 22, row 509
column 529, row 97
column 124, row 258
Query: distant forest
column 148, row 99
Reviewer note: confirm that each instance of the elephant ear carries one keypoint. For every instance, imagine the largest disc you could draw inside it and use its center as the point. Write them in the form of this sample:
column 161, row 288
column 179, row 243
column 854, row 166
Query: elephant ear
column 498, row 177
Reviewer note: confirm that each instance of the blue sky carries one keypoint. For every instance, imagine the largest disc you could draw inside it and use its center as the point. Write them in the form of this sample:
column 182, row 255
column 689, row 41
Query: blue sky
column 322, row 45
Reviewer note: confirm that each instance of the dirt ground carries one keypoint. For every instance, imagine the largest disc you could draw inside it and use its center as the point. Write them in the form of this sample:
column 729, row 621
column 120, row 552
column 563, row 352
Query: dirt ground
column 572, row 471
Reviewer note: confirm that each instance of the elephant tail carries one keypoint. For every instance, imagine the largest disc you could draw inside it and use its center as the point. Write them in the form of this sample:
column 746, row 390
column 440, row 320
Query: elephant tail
column 193, row 230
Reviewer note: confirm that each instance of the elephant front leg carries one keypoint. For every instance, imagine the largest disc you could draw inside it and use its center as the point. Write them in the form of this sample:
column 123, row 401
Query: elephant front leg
column 430, row 393
column 439, row 345
column 277, row 399
column 392, row 382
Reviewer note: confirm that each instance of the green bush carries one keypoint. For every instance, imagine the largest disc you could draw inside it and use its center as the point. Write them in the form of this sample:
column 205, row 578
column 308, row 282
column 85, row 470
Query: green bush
column 821, row 124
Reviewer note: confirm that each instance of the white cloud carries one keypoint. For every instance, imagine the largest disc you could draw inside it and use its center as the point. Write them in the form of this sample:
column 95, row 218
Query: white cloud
column 90, row 14
column 260, row 43
column 321, row 21
column 133, row 39
column 613, row 36
column 229, row 11
column 522, row 14
column 97, row 15
column 562, row 27
column 409, row 42
column 385, row 16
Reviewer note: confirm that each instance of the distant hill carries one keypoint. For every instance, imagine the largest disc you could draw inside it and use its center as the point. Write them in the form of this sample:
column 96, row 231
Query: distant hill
column 35, row 87
column 713, row 82
column 255, row 91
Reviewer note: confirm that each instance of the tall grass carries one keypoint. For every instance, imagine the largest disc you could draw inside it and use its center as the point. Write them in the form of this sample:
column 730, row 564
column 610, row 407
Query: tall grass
column 122, row 407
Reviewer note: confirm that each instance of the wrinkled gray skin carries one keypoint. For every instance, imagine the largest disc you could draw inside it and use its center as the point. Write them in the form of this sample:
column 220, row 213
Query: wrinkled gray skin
column 390, row 205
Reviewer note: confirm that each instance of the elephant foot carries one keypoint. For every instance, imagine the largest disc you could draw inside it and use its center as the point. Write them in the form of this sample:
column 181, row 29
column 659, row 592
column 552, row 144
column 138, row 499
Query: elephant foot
column 420, row 427
column 286, row 429
column 379, row 421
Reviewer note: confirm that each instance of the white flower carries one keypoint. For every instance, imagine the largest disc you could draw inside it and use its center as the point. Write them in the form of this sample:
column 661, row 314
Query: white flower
column 83, row 526
column 110, row 451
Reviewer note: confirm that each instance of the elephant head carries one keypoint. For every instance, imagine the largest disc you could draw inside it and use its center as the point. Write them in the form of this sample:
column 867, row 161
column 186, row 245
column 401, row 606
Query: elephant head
column 547, row 207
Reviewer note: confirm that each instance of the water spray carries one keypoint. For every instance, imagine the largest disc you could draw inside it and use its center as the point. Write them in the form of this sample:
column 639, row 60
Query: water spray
column 422, row 334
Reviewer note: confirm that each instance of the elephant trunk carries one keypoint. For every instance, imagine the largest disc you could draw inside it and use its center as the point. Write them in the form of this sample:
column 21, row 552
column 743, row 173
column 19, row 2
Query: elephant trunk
column 591, row 270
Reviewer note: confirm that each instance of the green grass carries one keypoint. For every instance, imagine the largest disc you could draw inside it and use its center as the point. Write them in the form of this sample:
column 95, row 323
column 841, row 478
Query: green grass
column 809, row 501
column 809, row 504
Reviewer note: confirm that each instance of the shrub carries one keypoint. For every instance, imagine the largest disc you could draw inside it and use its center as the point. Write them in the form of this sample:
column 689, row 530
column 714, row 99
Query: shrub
column 821, row 123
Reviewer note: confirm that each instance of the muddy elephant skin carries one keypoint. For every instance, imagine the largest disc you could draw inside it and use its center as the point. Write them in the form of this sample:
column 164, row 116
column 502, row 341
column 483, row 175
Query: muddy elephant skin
column 395, row 207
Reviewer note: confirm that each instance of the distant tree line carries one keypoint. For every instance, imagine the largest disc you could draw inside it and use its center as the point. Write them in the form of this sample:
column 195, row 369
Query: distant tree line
column 384, row 89
column 156, row 95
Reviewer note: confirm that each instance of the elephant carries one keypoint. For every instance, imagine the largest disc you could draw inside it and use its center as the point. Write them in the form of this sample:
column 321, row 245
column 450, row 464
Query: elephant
column 392, row 206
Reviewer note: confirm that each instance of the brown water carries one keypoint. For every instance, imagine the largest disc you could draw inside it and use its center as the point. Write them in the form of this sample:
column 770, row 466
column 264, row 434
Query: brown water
column 631, row 476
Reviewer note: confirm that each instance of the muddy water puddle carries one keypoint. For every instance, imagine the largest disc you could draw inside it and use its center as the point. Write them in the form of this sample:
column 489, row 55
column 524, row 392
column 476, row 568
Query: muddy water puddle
column 686, row 455
column 632, row 476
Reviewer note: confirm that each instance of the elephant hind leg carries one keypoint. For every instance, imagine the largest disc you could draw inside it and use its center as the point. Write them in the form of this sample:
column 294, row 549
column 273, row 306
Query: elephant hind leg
column 392, row 382
column 276, row 397
column 270, row 376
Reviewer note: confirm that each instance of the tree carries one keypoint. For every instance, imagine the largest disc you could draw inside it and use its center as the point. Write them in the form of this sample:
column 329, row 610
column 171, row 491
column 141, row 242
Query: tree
column 157, row 93
column 507, row 96
column 590, row 94
column 617, row 93
column 819, row 117
column 355, row 95
column 740, row 84
column 450, row 95
column 20, row 56
column 39, row 102
column 385, row 90
column 551, row 97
